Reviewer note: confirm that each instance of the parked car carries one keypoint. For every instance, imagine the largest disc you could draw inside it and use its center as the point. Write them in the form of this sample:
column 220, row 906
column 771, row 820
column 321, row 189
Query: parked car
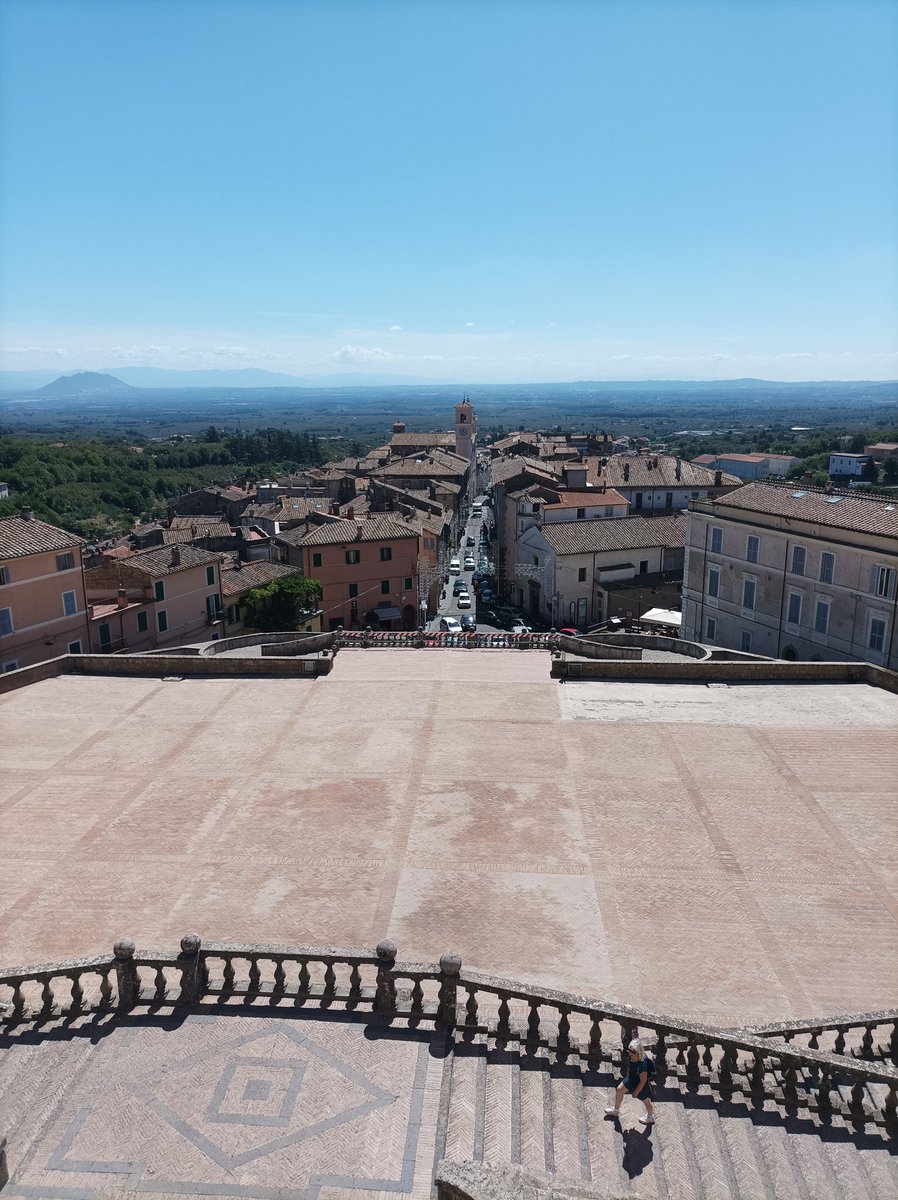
column 464, row 600
column 470, row 541
column 487, row 595
column 459, row 586
column 469, row 623
column 454, row 567
column 520, row 627
column 449, row 625
column 571, row 632
column 470, row 564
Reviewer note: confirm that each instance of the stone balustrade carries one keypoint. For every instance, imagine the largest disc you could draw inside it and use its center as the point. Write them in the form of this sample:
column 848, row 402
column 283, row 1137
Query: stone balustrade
column 419, row 639
column 759, row 1062
column 868, row 1035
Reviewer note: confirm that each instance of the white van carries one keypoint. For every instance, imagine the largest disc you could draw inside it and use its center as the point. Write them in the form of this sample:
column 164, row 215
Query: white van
column 477, row 510
column 454, row 567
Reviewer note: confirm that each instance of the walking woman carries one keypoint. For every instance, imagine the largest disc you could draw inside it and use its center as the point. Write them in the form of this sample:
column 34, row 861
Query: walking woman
column 637, row 1082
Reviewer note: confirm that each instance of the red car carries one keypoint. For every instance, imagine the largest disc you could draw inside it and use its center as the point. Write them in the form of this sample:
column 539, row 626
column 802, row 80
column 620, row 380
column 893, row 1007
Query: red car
column 571, row 632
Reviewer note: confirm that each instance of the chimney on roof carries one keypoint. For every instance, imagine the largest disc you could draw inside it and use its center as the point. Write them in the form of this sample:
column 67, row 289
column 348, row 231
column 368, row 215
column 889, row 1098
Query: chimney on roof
column 238, row 565
column 121, row 599
column 678, row 469
column 718, row 478
column 175, row 556
column 351, row 512
column 27, row 514
column 399, row 426
column 626, row 472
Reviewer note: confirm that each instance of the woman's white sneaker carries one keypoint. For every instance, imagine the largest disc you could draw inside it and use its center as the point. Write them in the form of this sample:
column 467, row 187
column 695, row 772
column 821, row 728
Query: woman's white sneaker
column 646, row 1120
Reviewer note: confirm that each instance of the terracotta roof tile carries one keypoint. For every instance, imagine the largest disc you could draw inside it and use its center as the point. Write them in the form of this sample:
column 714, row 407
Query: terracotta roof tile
column 616, row 533
column 378, row 527
column 19, row 538
column 839, row 509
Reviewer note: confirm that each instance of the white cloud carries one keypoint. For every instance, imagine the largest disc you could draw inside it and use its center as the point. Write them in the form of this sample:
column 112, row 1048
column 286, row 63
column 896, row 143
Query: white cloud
column 469, row 324
column 362, row 354
column 395, row 329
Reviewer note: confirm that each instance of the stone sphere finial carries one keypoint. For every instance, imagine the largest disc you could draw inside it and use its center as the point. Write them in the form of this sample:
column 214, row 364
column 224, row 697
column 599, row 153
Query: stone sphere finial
column 124, row 948
column 450, row 964
column 386, row 950
column 191, row 942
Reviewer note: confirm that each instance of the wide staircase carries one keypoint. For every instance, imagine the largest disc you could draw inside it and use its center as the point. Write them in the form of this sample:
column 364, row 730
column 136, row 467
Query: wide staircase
column 533, row 1109
column 318, row 1073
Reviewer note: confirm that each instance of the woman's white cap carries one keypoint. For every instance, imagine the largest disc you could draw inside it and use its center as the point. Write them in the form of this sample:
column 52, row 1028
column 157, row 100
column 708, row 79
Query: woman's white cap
column 636, row 1044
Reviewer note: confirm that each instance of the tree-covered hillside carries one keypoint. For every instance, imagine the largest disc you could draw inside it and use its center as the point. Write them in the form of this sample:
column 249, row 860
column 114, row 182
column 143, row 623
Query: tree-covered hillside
column 98, row 487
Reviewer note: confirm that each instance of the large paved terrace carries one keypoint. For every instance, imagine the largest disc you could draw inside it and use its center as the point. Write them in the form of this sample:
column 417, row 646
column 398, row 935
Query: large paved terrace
column 722, row 852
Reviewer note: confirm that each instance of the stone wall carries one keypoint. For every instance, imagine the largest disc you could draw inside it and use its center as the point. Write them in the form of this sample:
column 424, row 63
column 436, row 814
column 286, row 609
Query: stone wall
column 766, row 671
column 314, row 641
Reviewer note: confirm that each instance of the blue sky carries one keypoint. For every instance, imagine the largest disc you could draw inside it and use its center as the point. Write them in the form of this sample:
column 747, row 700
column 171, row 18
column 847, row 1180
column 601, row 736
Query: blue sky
column 469, row 191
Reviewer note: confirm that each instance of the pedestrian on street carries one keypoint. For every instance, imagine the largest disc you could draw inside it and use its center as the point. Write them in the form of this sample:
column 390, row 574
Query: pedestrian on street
column 636, row 1082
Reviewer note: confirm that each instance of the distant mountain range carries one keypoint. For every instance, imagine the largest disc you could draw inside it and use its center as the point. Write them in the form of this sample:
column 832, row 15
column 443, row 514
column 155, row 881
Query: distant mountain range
column 129, row 381
column 162, row 378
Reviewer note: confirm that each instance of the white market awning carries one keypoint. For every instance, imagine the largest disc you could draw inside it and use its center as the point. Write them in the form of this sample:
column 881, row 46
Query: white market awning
column 662, row 616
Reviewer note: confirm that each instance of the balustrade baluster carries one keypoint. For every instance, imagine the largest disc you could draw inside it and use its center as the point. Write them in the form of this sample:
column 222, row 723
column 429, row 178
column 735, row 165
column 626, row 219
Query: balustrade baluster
column 280, row 977
column 661, row 1052
column 814, row 1040
column 105, row 988
column 564, row 1029
column 790, row 1079
column 757, row 1073
column 417, row 997
column 891, row 1102
column 471, row 1004
column 255, row 976
column 727, row 1063
column 824, row 1084
column 692, row 1057
column 46, row 997
column 77, row 992
column 867, row 1042
column 533, row 1022
column 160, row 985
column 503, row 1027
column 355, row 980
column 18, row 999
column 229, row 977
column 708, row 1057
column 330, row 979
column 305, row 979
column 857, row 1096
column 788, row 1035
column 595, row 1041
column 840, row 1040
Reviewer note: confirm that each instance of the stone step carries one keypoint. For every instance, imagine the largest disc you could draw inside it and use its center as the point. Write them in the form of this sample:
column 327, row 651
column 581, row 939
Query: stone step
column 715, row 1168
column 512, row 1105
column 569, row 1133
column 537, row 1148
column 750, row 1173
column 605, row 1155
column 461, row 1135
column 501, row 1138
column 782, row 1166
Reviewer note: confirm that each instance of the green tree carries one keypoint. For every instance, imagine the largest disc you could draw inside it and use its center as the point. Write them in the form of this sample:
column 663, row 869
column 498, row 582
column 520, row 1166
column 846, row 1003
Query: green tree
column 890, row 471
column 279, row 604
column 870, row 471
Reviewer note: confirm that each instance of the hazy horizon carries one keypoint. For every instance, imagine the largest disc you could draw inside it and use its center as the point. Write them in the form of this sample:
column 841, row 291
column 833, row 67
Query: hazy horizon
column 452, row 191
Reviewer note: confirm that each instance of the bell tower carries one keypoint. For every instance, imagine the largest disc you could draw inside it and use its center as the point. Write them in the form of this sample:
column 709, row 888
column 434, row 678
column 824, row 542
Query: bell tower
column 465, row 430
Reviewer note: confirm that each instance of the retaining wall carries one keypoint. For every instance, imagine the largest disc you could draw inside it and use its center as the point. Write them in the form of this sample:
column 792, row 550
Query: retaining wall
column 771, row 671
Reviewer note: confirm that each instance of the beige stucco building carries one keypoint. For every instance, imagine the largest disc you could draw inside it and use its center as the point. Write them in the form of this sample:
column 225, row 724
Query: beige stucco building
column 43, row 611
column 169, row 596
column 794, row 572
